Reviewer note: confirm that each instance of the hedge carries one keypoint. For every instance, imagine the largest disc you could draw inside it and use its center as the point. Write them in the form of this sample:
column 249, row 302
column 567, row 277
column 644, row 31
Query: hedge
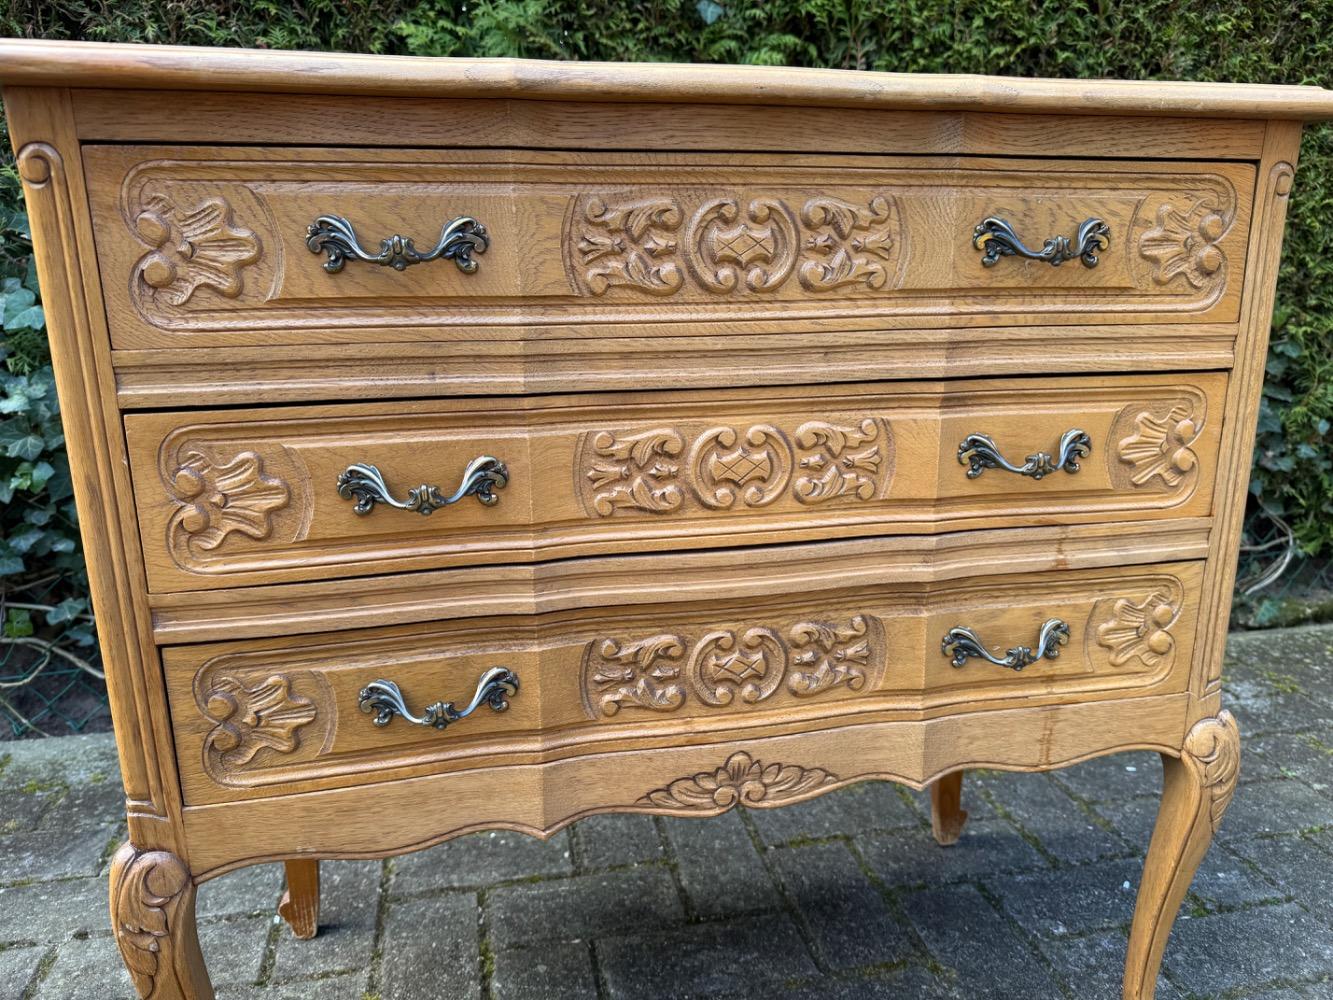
column 1243, row 40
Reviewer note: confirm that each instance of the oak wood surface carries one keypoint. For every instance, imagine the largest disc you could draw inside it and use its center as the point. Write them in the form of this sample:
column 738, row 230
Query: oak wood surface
column 947, row 814
column 725, row 574
column 228, row 498
column 166, row 67
column 282, row 714
column 299, row 905
column 685, row 240
column 617, row 244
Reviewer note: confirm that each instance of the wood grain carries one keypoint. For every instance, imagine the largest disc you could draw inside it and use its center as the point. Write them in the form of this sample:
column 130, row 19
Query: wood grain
column 169, row 67
column 687, row 241
column 947, row 815
column 283, row 714
column 227, row 498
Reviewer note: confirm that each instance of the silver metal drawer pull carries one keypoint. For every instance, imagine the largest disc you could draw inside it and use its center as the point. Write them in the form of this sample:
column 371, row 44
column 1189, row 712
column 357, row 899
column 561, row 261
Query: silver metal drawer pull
column 960, row 643
column 998, row 239
column 979, row 452
column 385, row 699
column 459, row 240
column 365, row 484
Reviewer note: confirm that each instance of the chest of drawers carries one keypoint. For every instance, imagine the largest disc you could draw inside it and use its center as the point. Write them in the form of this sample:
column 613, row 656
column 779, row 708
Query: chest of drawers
column 778, row 430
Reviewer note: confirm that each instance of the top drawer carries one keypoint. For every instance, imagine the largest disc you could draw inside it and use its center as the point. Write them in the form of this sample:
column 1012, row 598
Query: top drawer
column 209, row 245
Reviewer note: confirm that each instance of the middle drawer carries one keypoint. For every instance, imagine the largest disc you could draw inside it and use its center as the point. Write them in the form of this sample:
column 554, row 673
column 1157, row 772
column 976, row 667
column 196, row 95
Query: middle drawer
column 229, row 498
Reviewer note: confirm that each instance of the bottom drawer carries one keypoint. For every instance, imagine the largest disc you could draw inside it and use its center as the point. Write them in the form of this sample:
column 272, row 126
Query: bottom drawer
column 275, row 716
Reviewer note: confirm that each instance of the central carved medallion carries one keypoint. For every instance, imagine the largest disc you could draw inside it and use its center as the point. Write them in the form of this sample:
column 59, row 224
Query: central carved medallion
column 731, row 244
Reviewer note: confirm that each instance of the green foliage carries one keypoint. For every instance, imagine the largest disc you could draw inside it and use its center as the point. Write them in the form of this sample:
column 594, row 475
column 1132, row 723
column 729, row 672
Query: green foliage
column 1278, row 41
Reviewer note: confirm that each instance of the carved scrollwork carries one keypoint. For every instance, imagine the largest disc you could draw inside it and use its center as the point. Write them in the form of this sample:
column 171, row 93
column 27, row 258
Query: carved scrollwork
column 1140, row 630
column 1185, row 242
column 631, row 244
column 1161, row 446
column 635, row 472
column 838, row 461
column 740, row 665
column 193, row 248
column 645, row 673
column 216, row 498
column 148, row 891
column 724, row 466
column 1212, row 750
column 255, row 716
column 826, row 654
column 733, row 243
column 725, row 663
column 729, row 249
column 742, row 780
column 846, row 244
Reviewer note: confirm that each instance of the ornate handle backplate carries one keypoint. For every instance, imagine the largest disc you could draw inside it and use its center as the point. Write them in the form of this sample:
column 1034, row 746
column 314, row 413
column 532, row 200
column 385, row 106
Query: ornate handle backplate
column 996, row 238
column 365, row 484
column 385, row 699
column 459, row 240
column 979, row 452
column 961, row 643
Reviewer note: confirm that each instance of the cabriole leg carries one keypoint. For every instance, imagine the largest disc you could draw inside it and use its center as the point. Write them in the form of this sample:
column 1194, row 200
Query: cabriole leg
column 152, row 915
column 1197, row 788
column 300, row 903
column 947, row 815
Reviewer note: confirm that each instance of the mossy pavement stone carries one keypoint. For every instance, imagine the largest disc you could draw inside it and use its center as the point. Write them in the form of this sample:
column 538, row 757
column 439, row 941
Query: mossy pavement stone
column 549, row 971
column 913, row 858
column 477, row 860
column 720, row 872
column 1094, row 965
column 18, row 966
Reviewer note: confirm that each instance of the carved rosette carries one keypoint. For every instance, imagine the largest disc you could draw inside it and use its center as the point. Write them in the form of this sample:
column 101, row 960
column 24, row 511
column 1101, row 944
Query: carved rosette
column 191, row 248
column 1139, row 630
column 733, row 244
column 725, row 469
column 1161, row 445
column 1212, row 751
column 645, row 673
column 216, row 498
column 735, row 665
column 250, row 717
column 742, row 780
column 148, row 892
column 1184, row 240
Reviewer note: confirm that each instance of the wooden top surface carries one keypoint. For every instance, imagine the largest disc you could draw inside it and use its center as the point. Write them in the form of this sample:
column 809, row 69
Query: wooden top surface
column 98, row 65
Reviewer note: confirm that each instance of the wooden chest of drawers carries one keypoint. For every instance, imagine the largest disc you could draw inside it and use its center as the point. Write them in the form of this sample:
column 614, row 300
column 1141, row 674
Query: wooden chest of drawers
column 778, row 430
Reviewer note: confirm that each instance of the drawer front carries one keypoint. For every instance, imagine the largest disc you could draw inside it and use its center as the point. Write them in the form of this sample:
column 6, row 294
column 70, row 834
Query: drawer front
column 231, row 498
column 272, row 713
column 212, row 245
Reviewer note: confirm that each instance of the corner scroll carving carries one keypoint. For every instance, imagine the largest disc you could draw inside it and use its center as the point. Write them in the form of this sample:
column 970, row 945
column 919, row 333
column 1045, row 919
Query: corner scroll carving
column 218, row 497
column 1161, row 446
column 190, row 249
column 742, row 780
column 250, row 717
column 1140, row 630
column 1212, row 751
column 1184, row 241
column 151, row 896
column 645, row 673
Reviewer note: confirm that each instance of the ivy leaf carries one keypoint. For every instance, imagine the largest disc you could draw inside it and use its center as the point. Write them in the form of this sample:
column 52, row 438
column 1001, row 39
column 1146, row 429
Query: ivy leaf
column 18, row 623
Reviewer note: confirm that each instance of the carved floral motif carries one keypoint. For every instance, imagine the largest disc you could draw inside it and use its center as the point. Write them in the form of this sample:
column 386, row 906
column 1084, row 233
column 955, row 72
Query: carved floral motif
column 643, row 673
column 827, row 654
column 192, row 249
column 742, row 780
column 250, row 717
column 147, row 892
column 727, row 664
column 1161, row 446
column 840, row 462
column 728, row 470
column 215, row 499
column 1184, row 242
column 1140, row 631
column 731, row 245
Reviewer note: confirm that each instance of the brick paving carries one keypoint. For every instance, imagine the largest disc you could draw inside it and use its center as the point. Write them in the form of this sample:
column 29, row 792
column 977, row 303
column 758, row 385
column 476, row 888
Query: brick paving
column 840, row 898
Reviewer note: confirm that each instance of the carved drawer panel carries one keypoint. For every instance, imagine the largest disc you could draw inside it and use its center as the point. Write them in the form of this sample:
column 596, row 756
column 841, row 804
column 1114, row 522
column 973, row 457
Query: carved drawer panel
column 229, row 498
column 236, row 246
column 274, row 713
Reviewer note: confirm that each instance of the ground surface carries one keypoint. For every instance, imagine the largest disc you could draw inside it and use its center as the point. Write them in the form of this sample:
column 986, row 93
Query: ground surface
column 843, row 897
